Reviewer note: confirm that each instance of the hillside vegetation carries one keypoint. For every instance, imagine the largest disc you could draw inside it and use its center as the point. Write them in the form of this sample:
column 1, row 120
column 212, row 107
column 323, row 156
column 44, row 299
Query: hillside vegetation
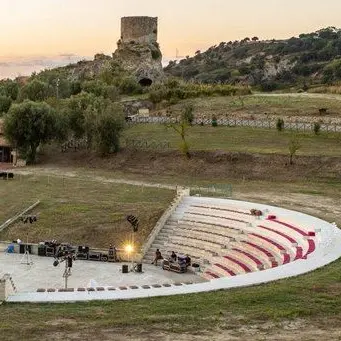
column 300, row 62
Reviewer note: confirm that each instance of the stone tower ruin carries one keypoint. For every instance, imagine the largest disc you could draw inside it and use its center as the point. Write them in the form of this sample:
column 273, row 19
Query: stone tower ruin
column 138, row 51
column 139, row 29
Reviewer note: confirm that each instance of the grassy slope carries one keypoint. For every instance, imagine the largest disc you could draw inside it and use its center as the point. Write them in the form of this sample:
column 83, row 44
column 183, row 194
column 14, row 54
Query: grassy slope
column 240, row 139
column 80, row 211
column 312, row 296
column 260, row 105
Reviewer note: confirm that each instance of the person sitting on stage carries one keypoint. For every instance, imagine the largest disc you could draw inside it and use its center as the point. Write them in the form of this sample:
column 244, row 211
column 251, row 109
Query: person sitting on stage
column 173, row 257
column 188, row 260
column 157, row 256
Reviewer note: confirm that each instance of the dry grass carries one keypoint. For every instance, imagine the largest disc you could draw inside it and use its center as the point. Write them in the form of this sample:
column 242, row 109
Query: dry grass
column 260, row 106
column 80, row 211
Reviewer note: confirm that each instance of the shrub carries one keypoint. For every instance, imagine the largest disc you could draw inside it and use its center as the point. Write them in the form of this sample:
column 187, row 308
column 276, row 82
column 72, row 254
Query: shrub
column 280, row 124
column 214, row 121
column 317, row 128
column 129, row 86
column 5, row 104
column 156, row 54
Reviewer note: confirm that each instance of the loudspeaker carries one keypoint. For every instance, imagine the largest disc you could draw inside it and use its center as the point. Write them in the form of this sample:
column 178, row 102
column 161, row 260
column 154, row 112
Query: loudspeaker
column 49, row 252
column 138, row 267
column 22, row 248
column 125, row 269
column 95, row 256
column 83, row 249
column 42, row 250
column 82, row 255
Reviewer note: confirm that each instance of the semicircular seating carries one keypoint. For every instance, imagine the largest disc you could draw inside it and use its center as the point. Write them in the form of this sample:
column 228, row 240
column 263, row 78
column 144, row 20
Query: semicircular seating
column 227, row 240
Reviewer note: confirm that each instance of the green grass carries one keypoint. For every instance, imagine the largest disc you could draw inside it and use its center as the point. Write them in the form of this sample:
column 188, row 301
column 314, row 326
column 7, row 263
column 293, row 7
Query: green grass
column 262, row 105
column 240, row 139
column 80, row 210
column 312, row 296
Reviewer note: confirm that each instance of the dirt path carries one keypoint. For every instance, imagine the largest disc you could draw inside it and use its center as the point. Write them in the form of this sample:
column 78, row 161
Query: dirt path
column 71, row 174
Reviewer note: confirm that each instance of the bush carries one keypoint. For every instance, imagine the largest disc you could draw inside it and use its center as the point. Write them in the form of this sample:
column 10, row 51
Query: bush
column 317, row 128
column 5, row 104
column 129, row 86
column 156, row 54
column 35, row 91
column 214, row 121
column 280, row 124
column 177, row 90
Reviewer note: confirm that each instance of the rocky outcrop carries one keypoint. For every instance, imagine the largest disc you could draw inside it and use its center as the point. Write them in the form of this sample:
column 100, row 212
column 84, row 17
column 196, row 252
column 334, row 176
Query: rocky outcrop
column 142, row 60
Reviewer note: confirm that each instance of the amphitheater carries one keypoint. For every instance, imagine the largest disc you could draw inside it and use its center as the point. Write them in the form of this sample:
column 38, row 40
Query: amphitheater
column 233, row 246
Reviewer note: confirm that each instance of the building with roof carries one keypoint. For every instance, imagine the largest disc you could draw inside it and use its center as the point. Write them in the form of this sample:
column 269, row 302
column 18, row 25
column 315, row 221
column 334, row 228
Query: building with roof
column 6, row 151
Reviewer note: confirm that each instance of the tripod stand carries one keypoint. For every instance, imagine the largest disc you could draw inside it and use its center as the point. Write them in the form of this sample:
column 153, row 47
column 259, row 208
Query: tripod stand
column 67, row 273
column 26, row 258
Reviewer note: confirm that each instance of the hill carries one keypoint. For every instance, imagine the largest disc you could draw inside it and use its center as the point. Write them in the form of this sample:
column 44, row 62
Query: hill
column 303, row 61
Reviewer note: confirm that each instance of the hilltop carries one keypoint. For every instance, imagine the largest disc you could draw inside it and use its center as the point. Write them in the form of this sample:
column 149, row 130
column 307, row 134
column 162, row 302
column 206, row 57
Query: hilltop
column 313, row 58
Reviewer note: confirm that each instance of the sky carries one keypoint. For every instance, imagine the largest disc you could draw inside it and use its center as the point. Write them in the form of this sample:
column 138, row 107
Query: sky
column 37, row 34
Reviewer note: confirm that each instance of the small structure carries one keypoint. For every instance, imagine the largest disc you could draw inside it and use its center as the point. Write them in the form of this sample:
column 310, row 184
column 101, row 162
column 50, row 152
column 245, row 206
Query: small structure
column 6, row 154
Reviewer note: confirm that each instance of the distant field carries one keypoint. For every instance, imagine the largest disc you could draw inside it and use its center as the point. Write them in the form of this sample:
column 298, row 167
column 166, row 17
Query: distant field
column 238, row 139
column 80, row 211
column 262, row 106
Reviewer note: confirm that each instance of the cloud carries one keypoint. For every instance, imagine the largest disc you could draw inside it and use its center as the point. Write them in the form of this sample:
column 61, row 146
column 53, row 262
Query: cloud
column 11, row 67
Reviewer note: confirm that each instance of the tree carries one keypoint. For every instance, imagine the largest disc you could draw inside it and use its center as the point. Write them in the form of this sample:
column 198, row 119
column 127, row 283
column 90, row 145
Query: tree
column 107, row 127
column 182, row 130
column 294, row 146
column 5, row 104
column 255, row 39
column 75, row 109
column 29, row 124
column 9, row 89
column 35, row 90
column 187, row 114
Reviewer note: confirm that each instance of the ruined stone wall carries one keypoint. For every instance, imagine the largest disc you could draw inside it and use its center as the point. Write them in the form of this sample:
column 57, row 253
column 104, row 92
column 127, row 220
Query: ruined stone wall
column 139, row 29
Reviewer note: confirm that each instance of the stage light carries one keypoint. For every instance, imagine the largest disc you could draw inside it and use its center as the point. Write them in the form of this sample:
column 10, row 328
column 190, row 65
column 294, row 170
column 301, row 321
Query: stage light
column 128, row 248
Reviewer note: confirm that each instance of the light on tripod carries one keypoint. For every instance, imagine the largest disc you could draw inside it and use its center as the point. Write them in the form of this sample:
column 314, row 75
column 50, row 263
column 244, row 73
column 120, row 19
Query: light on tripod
column 129, row 248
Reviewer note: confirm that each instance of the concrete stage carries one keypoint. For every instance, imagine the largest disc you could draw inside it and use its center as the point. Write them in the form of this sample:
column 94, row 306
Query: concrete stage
column 42, row 274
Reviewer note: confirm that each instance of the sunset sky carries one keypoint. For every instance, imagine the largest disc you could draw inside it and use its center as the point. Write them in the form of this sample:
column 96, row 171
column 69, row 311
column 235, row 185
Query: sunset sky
column 36, row 34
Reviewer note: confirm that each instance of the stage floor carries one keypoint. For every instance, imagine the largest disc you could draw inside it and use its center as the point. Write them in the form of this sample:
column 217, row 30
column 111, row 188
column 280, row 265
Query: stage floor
column 42, row 274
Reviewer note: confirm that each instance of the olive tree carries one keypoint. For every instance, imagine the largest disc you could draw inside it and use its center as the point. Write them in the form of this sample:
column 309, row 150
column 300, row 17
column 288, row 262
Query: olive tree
column 104, row 122
column 29, row 124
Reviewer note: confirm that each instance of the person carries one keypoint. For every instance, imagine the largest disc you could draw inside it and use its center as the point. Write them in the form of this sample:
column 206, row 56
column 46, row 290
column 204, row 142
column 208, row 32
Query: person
column 157, row 256
column 112, row 254
column 188, row 260
column 173, row 257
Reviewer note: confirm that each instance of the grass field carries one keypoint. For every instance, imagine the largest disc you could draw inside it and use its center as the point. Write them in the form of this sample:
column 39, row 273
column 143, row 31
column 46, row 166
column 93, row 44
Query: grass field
column 80, row 211
column 313, row 299
column 240, row 139
column 262, row 105
column 310, row 302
